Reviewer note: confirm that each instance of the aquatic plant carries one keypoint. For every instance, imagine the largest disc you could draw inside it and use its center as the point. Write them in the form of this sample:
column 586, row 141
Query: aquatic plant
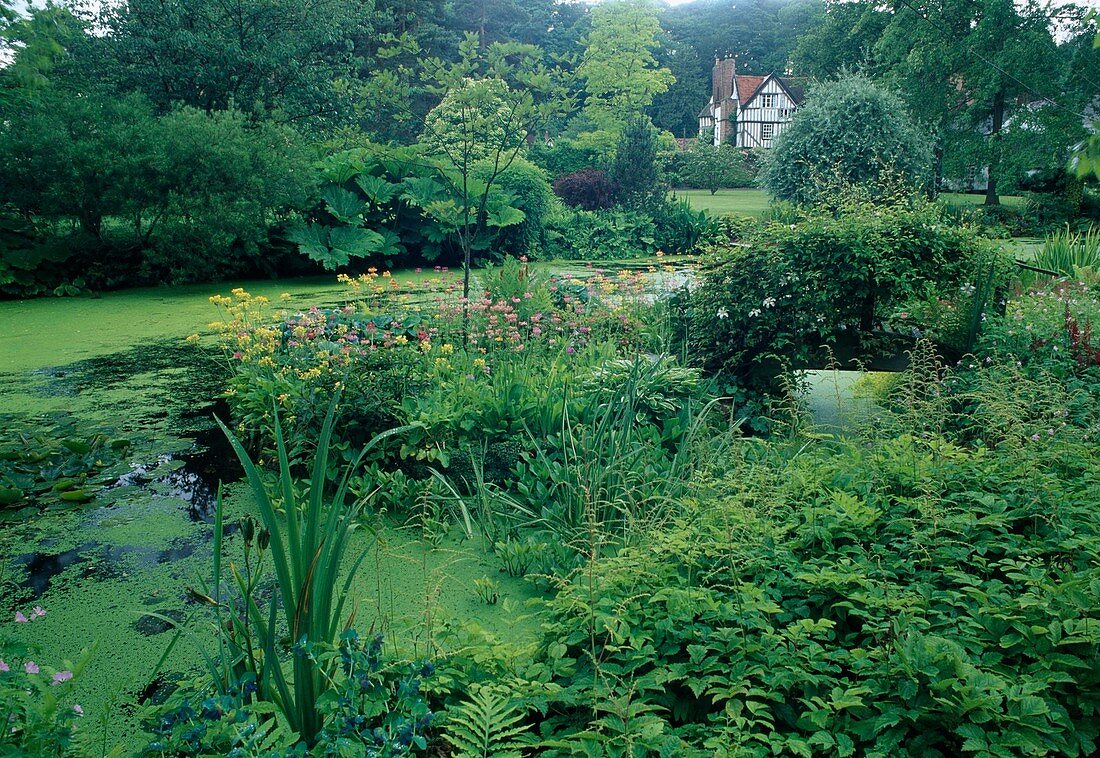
column 377, row 710
column 55, row 460
column 308, row 544
column 1070, row 253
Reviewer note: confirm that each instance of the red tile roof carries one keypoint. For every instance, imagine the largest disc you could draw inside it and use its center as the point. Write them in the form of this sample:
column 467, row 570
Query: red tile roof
column 747, row 86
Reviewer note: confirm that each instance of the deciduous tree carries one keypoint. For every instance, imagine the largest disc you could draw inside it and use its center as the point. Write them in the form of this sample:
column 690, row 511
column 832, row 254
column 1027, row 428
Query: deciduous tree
column 619, row 68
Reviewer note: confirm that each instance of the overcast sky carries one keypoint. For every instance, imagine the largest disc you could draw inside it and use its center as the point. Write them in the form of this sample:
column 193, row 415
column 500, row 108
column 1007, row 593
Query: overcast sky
column 22, row 4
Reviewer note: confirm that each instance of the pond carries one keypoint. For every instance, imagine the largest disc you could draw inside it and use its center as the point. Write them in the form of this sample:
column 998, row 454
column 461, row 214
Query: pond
column 120, row 365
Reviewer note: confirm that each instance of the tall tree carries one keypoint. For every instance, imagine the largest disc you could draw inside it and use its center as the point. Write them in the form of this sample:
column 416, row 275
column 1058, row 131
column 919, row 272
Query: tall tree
column 38, row 47
column 965, row 69
column 619, row 68
column 493, row 97
column 268, row 58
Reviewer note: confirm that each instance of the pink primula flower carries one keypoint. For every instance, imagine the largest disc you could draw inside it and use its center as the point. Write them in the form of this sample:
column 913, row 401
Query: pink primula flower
column 38, row 612
column 62, row 676
column 20, row 618
column 30, row 667
column 4, row 666
column 78, row 710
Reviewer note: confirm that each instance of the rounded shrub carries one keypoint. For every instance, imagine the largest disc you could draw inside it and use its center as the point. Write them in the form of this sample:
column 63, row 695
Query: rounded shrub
column 849, row 132
column 589, row 189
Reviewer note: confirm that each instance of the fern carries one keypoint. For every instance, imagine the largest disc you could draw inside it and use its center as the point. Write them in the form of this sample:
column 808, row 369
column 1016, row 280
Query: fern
column 489, row 724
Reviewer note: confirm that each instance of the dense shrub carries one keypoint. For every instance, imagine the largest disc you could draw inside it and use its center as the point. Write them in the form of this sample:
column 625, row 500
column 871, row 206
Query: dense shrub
column 602, row 235
column 528, row 185
column 713, row 168
column 680, row 229
column 849, row 131
column 588, row 189
column 566, row 156
column 635, row 167
column 882, row 596
column 666, row 227
column 137, row 197
column 227, row 184
column 772, row 301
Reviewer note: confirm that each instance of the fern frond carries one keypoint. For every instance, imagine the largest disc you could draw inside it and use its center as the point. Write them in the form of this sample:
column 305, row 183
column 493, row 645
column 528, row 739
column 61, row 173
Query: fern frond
column 488, row 725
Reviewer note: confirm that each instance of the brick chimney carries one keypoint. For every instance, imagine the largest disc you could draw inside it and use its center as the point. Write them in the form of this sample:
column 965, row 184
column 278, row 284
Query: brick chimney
column 722, row 79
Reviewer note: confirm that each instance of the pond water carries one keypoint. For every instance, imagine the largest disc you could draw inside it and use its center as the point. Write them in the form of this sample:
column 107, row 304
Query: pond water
column 102, row 567
column 121, row 364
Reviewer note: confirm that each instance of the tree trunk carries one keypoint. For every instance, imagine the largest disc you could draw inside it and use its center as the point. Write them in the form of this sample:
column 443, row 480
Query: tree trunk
column 991, row 196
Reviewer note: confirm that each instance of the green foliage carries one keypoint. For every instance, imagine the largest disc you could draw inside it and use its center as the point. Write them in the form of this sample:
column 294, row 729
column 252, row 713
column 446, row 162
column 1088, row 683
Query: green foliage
column 849, row 131
column 225, row 187
column 602, row 235
column 565, row 156
column 620, row 72
column 713, row 168
column 489, row 724
column 681, row 230
column 179, row 197
column 36, row 700
column 475, row 121
column 307, row 553
column 1070, row 254
column 54, row 462
column 771, row 302
column 634, row 170
column 529, row 187
column 891, row 594
column 264, row 58
column 637, row 425
column 375, row 706
column 394, row 204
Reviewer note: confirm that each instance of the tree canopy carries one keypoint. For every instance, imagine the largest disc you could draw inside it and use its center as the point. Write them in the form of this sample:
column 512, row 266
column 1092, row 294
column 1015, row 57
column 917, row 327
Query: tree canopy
column 849, row 131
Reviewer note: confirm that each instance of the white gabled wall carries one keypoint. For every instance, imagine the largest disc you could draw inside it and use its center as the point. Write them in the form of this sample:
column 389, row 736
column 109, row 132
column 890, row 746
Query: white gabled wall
column 752, row 117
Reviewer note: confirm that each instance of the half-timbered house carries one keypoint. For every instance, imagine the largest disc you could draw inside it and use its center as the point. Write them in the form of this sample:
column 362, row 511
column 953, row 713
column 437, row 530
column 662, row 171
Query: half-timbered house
column 748, row 111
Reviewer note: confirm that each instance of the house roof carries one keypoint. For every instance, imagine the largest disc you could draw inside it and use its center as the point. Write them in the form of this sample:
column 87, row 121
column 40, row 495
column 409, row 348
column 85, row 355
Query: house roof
column 748, row 86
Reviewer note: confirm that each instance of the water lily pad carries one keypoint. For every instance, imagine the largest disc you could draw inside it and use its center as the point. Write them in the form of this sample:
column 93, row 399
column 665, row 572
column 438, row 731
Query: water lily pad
column 10, row 496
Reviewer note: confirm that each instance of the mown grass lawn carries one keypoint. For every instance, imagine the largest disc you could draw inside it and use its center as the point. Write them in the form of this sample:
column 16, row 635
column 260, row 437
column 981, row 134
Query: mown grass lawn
column 753, row 202
column 745, row 202
column 961, row 198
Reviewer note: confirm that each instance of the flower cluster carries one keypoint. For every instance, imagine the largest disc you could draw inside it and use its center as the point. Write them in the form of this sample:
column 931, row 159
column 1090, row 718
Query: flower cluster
column 29, row 666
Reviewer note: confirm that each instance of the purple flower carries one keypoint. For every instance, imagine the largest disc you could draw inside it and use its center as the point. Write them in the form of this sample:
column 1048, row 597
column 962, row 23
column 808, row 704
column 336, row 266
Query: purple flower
column 30, row 667
column 20, row 618
column 38, row 612
column 62, row 676
column 78, row 710
column 4, row 666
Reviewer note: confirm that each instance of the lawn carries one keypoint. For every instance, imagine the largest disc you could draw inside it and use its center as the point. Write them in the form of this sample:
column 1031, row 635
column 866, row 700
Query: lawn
column 753, row 202
column 960, row 198
column 746, row 202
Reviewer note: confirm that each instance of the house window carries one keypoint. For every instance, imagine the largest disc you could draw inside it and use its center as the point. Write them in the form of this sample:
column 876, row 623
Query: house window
column 767, row 131
column 767, row 101
column 786, row 112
